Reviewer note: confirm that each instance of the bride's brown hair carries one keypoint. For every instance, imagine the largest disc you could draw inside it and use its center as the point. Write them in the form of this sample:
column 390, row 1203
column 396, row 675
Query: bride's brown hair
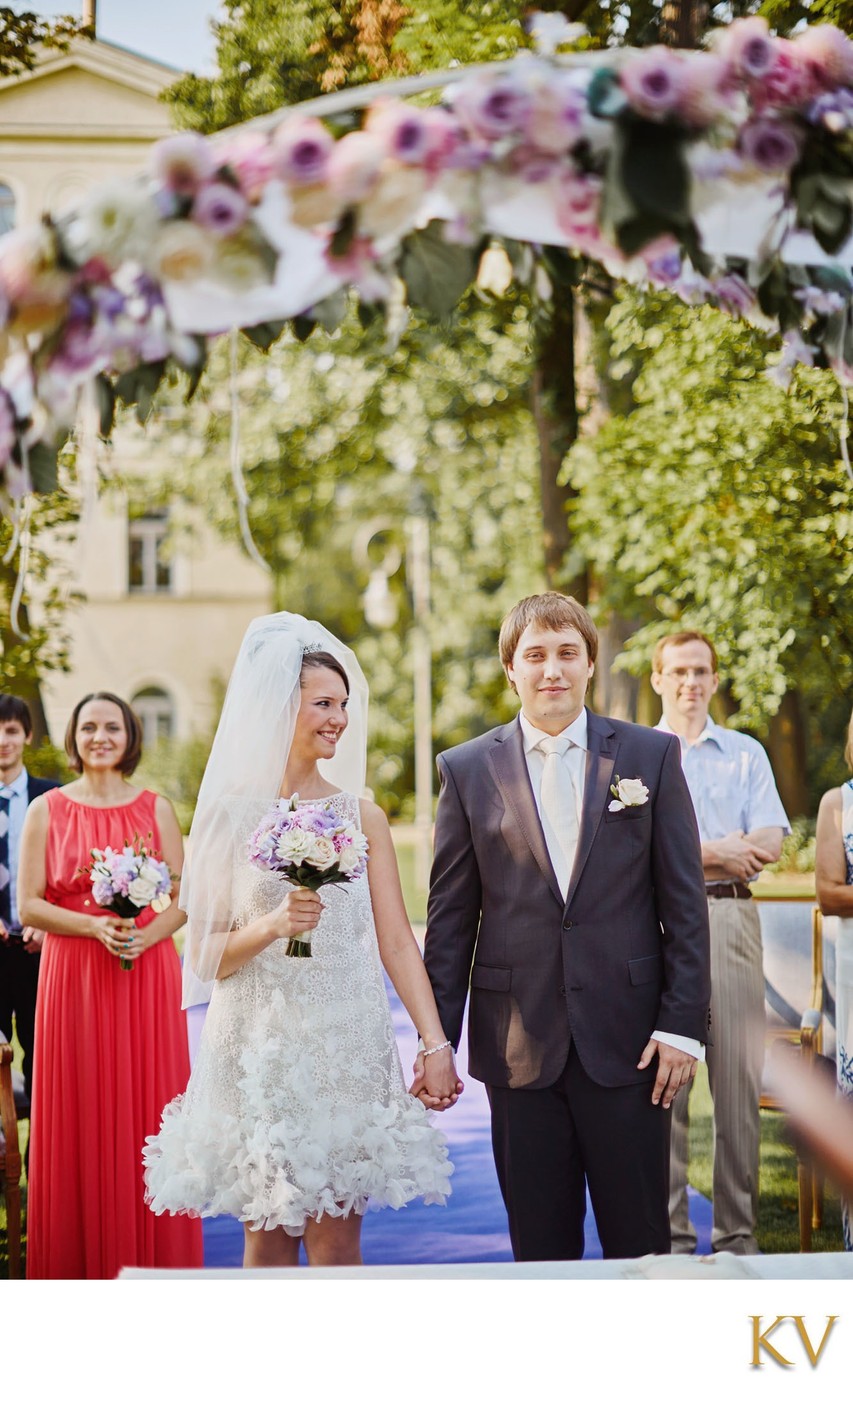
column 319, row 658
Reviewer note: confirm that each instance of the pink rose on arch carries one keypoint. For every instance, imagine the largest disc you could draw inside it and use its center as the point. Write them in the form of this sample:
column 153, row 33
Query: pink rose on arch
column 828, row 53
column 302, row 148
column 577, row 205
column 183, row 163
column 706, row 91
column 655, row 81
column 789, row 83
column 444, row 137
column 493, row 105
column 557, row 115
column 250, row 157
column 220, row 209
column 401, row 130
column 354, row 166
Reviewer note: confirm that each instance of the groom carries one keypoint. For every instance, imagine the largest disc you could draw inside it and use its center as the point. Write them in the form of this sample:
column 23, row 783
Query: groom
column 568, row 893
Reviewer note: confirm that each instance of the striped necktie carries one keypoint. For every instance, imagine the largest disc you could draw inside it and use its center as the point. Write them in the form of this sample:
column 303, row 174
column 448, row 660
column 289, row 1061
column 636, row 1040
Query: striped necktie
column 5, row 874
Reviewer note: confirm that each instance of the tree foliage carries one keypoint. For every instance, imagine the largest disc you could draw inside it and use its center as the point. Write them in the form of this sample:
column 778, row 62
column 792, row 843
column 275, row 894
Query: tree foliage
column 716, row 501
column 21, row 34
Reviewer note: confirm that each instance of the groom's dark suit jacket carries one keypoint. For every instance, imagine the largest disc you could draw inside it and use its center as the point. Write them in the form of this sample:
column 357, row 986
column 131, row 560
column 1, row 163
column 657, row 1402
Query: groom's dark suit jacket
column 625, row 954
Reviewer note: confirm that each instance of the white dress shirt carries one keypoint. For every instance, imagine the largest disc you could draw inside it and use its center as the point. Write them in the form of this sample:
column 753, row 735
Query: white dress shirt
column 575, row 760
column 16, row 793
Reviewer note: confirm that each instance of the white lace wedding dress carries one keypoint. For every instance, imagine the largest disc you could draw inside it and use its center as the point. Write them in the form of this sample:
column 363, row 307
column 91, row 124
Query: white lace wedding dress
column 296, row 1107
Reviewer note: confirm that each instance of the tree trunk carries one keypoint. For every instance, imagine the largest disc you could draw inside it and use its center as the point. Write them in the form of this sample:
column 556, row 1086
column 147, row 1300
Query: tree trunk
column 682, row 23
column 555, row 414
column 787, row 747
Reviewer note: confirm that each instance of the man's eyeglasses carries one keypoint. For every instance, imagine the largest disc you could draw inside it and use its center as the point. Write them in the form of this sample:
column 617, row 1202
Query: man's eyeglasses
column 682, row 674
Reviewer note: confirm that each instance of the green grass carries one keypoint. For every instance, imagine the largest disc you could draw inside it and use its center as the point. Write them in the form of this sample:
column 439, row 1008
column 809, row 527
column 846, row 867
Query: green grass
column 778, row 1223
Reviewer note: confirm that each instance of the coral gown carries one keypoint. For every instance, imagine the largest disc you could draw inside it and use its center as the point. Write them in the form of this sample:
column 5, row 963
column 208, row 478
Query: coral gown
column 110, row 1052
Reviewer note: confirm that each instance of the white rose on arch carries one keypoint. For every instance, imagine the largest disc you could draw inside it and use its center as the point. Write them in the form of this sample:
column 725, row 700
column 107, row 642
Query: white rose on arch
column 628, row 793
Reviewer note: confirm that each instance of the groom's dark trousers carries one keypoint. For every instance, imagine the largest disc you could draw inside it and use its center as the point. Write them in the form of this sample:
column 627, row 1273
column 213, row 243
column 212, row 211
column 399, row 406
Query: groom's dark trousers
column 565, row 994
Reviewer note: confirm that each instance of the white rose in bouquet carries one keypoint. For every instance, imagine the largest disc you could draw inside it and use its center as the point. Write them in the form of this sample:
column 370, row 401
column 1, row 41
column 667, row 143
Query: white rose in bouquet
column 348, row 859
column 323, row 853
column 142, row 891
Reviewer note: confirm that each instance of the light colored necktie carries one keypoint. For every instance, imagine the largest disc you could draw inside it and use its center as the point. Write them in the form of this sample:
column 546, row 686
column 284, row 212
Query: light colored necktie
column 558, row 800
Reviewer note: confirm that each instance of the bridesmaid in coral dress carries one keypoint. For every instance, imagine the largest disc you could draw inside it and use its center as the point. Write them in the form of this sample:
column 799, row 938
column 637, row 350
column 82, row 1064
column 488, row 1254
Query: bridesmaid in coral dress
column 110, row 1044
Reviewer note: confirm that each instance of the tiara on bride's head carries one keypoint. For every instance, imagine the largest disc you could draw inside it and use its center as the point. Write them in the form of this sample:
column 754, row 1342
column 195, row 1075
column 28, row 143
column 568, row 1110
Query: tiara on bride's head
column 315, row 648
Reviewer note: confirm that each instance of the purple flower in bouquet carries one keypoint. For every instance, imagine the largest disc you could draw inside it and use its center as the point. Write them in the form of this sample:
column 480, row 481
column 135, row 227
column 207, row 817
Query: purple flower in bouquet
column 125, row 881
column 770, row 145
column 309, row 845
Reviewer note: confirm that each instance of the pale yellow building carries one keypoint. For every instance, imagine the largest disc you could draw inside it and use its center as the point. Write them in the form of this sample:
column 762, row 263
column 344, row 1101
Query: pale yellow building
column 162, row 618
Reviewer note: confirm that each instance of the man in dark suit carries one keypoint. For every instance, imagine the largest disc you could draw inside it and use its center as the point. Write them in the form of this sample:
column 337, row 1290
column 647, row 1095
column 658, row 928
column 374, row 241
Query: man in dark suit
column 567, row 892
column 19, row 947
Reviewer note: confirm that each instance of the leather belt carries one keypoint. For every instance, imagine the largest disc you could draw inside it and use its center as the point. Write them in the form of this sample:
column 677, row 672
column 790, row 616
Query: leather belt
column 728, row 890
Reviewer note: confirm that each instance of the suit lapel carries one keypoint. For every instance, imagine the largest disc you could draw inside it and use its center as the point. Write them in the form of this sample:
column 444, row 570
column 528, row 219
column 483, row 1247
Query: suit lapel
column 600, row 764
column 509, row 768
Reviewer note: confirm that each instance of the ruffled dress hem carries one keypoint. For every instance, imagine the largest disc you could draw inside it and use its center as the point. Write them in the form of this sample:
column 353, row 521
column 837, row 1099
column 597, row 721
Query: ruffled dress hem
column 371, row 1159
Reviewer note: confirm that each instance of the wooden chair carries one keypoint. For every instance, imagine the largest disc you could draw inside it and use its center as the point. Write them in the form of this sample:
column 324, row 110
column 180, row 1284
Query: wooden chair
column 10, row 1159
column 795, row 1013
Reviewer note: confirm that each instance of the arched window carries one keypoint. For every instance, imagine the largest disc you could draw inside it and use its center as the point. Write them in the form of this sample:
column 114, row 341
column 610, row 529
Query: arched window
column 156, row 712
column 7, row 208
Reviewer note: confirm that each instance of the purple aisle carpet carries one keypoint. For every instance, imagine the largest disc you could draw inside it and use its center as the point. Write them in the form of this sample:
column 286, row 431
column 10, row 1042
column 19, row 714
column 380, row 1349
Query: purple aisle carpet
column 470, row 1228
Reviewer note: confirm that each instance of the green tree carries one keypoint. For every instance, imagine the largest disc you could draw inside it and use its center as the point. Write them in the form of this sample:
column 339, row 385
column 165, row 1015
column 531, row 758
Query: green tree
column 718, row 502
column 23, row 32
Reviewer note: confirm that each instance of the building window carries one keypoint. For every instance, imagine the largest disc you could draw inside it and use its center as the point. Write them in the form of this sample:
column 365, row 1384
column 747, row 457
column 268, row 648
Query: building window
column 156, row 712
column 7, row 209
column 149, row 570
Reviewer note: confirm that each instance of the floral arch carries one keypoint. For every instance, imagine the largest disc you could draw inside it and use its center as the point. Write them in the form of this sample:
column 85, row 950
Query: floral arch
column 725, row 175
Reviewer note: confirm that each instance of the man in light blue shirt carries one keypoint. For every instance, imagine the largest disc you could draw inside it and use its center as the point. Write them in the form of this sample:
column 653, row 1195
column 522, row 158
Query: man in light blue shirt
column 742, row 823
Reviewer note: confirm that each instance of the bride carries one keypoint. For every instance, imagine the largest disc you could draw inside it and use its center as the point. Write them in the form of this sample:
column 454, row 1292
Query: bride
column 296, row 1114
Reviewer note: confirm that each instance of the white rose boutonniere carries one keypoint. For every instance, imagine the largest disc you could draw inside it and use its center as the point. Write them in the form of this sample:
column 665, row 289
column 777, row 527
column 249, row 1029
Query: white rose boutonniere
column 627, row 793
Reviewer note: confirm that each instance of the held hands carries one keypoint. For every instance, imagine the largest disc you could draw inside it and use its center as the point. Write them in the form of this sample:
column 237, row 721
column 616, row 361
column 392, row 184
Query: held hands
column 437, row 1084
column 674, row 1070
column 33, row 940
column 299, row 911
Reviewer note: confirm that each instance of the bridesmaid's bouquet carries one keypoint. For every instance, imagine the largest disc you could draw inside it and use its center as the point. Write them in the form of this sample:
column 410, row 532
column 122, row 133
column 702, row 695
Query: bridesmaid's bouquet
column 125, row 881
column 309, row 845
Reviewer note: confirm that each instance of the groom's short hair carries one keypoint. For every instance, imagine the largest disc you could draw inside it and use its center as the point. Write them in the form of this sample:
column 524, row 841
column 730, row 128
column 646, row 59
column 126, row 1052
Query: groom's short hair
column 549, row 611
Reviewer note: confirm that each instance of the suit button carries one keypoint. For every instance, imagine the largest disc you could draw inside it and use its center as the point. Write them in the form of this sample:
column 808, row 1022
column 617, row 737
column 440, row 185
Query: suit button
column 562, row 990
column 567, row 924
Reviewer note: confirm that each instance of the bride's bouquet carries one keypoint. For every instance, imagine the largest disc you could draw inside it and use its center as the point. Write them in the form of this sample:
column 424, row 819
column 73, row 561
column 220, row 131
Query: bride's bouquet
column 309, row 845
column 125, row 881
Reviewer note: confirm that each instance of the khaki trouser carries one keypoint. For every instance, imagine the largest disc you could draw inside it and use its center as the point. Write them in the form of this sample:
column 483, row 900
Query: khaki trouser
column 735, row 1062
